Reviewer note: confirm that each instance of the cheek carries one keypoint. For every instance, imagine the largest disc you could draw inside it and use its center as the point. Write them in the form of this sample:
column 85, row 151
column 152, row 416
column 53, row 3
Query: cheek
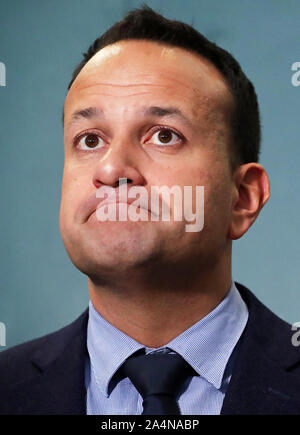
column 67, row 191
column 214, row 175
column 71, row 193
column 218, row 206
column 75, row 178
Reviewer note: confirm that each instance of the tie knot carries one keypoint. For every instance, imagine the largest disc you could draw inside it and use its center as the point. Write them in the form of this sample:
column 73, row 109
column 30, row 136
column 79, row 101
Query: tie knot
column 157, row 373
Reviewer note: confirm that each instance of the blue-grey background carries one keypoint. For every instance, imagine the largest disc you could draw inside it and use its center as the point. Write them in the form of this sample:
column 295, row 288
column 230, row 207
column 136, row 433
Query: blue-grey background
column 40, row 44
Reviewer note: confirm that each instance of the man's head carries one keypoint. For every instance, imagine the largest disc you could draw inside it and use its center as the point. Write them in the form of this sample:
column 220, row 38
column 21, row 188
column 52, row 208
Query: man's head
column 145, row 24
column 156, row 103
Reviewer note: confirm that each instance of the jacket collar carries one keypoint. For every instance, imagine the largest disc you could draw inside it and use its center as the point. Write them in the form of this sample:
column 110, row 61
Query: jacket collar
column 262, row 381
column 58, row 366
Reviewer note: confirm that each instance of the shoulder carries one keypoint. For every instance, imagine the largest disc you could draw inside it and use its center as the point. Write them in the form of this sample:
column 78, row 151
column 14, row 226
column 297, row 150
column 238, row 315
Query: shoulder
column 266, row 375
column 275, row 336
column 259, row 310
column 19, row 361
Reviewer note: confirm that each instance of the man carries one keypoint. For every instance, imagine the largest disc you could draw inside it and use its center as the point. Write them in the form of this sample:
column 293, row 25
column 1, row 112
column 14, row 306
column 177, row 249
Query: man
column 167, row 331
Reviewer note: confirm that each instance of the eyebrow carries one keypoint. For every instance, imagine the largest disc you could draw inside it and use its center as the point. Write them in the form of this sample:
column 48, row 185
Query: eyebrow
column 165, row 111
column 160, row 112
column 87, row 113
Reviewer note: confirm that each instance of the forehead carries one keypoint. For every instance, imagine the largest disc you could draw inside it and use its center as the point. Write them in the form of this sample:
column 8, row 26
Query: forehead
column 142, row 70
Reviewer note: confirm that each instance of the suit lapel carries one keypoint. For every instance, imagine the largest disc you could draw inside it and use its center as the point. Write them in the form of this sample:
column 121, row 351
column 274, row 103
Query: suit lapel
column 262, row 380
column 57, row 386
column 256, row 385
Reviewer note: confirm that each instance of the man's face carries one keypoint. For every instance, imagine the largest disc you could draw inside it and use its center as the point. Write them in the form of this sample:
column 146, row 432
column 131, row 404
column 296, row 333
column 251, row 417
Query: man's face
column 124, row 137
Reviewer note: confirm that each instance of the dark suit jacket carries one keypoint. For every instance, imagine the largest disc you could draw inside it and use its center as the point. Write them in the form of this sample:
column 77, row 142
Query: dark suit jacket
column 46, row 375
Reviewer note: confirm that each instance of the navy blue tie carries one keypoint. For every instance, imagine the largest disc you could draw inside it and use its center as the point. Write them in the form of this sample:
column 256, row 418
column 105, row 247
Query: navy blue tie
column 159, row 378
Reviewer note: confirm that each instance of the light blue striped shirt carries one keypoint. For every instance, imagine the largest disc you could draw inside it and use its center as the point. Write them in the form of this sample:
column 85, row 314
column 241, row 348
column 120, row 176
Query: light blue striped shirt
column 207, row 346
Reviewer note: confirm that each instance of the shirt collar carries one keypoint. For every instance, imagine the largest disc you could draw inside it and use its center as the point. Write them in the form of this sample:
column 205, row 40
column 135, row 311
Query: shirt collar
column 206, row 345
column 108, row 348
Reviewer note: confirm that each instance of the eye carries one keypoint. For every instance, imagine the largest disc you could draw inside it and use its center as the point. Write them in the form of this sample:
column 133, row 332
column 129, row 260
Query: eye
column 89, row 141
column 165, row 136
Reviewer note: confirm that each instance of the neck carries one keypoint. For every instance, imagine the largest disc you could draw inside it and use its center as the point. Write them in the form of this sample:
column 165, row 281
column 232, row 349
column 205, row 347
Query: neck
column 153, row 308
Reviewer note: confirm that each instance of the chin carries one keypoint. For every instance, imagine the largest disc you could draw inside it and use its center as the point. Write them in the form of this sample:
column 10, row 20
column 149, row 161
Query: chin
column 112, row 251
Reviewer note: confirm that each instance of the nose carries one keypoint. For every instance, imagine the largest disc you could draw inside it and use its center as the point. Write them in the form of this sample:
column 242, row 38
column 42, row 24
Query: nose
column 120, row 161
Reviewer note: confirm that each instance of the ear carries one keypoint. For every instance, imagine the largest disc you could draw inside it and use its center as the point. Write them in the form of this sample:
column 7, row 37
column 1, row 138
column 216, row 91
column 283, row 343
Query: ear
column 251, row 192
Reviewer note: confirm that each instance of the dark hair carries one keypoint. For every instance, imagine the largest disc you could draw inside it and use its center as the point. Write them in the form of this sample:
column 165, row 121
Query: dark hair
column 144, row 23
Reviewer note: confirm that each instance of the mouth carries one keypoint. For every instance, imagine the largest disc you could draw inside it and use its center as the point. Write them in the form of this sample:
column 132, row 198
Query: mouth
column 107, row 202
column 119, row 201
column 118, row 211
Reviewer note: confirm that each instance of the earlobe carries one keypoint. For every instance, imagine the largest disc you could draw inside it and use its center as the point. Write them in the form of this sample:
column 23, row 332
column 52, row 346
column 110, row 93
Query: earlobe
column 251, row 192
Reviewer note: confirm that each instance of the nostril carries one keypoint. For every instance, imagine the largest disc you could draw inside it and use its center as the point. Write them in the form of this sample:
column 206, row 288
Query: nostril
column 121, row 181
